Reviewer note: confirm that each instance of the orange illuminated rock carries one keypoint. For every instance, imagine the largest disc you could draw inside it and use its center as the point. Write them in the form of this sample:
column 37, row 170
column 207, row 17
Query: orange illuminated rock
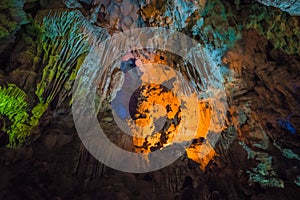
column 201, row 152
column 184, row 118
column 157, row 102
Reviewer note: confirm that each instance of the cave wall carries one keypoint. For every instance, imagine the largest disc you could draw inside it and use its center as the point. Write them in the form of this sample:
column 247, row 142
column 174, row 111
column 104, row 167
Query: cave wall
column 257, row 156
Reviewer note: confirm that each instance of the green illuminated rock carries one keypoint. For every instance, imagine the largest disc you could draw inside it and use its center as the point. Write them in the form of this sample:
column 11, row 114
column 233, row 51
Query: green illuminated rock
column 63, row 42
column 13, row 105
column 279, row 27
column 61, row 49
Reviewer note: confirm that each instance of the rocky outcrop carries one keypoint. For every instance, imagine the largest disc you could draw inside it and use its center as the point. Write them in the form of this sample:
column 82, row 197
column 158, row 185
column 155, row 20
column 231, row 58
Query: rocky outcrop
column 292, row 7
column 281, row 29
column 12, row 17
column 267, row 107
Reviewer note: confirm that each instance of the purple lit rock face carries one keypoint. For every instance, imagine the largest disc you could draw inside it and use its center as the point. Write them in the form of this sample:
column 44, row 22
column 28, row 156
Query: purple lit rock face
column 249, row 49
column 120, row 14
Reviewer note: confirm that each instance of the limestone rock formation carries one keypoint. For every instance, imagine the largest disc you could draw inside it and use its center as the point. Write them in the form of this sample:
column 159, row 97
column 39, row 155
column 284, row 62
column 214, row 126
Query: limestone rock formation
column 256, row 49
column 12, row 17
column 292, row 7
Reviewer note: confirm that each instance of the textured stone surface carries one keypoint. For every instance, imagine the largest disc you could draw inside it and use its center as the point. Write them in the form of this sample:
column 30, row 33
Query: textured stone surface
column 292, row 7
column 257, row 156
column 12, row 16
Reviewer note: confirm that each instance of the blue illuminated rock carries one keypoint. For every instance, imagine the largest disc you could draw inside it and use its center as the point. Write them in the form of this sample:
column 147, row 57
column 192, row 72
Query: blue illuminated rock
column 292, row 7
